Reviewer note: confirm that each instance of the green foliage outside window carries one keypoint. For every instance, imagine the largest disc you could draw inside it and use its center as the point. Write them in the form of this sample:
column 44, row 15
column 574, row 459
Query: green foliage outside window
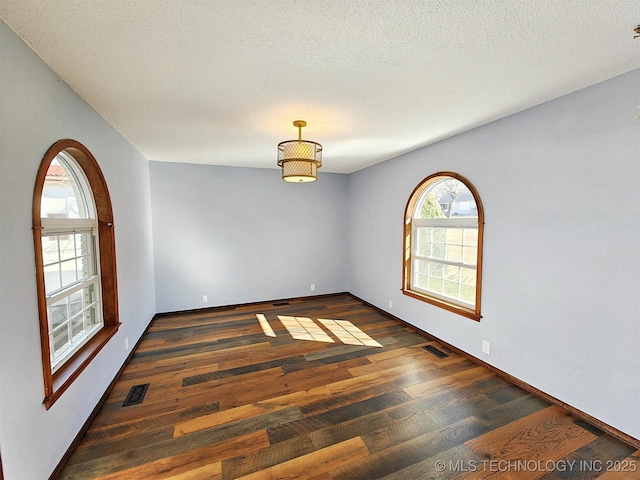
column 431, row 208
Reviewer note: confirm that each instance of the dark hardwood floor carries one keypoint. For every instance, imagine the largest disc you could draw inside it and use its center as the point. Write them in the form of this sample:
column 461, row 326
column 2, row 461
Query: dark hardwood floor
column 227, row 401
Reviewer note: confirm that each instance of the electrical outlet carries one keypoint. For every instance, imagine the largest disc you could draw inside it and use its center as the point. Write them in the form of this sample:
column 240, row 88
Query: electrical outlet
column 390, row 304
column 313, row 287
column 204, row 299
column 126, row 343
column 486, row 347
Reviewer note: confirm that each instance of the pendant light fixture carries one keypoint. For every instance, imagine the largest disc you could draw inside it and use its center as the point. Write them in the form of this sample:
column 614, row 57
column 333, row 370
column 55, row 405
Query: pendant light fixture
column 299, row 159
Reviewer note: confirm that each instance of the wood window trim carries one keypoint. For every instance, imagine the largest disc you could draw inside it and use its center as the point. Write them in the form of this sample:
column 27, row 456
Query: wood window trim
column 56, row 383
column 473, row 314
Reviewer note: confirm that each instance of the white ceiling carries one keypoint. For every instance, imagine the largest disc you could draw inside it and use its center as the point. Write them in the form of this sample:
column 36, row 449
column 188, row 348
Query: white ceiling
column 220, row 81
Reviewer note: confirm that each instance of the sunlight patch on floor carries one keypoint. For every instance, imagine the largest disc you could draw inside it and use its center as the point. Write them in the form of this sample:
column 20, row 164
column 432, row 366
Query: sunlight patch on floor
column 348, row 333
column 302, row 328
column 266, row 328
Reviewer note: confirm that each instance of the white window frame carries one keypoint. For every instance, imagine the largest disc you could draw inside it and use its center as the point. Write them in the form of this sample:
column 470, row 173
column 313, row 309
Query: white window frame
column 56, row 226
column 468, row 223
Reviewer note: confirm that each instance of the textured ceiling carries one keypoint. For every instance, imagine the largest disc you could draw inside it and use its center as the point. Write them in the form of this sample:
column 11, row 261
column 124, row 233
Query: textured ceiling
column 220, row 81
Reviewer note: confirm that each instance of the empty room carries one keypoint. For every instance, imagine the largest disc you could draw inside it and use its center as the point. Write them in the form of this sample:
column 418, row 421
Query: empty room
column 357, row 239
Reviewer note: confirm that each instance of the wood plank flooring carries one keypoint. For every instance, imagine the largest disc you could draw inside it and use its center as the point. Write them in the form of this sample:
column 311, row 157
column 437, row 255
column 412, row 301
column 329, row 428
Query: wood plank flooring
column 228, row 401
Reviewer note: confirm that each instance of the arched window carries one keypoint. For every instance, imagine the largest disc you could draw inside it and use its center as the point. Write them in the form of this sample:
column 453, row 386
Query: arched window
column 75, row 263
column 443, row 226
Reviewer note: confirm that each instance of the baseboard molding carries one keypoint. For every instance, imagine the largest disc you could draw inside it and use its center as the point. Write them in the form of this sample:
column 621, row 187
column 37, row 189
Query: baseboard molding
column 634, row 442
column 78, row 438
column 249, row 304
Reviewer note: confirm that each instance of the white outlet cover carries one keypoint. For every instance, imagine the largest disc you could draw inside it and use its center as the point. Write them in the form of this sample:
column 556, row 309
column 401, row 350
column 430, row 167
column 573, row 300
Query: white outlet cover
column 486, row 347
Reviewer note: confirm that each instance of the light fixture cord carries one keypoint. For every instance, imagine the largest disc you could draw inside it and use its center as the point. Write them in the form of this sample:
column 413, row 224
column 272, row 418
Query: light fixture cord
column 299, row 133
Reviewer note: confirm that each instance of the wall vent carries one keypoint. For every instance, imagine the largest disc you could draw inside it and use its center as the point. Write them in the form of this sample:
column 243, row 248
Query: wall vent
column 280, row 304
column 438, row 353
column 136, row 395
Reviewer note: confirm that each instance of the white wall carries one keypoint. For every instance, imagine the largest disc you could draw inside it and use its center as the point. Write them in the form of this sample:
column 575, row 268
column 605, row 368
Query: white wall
column 560, row 187
column 37, row 110
column 243, row 235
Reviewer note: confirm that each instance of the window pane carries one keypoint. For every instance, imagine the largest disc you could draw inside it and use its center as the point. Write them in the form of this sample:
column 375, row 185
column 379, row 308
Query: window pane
column 52, row 278
column 424, row 241
column 92, row 293
column 75, row 303
column 451, row 272
column 435, row 285
column 58, row 313
column 439, row 251
column 470, row 237
column 468, row 276
column 91, row 317
column 467, row 294
column 69, row 272
column 454, row 198
column 421, row 266
column 420, row 273
column 470, row 255
column 436, row 269
column 450, row 289
column 82, row 244
column 454, row 236
column 50, row 252
column 77, row 326
column 85, row 267
column 67, row 247
column 61, row 193
column 59, row 327
column 454, row 253
column 428, row 207
column 60, row 341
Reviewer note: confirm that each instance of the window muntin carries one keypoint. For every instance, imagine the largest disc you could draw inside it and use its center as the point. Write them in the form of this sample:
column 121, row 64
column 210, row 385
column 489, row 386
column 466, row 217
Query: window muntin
column 443, row 238
column 69, row 257
column 74, row 317
column 443, row 265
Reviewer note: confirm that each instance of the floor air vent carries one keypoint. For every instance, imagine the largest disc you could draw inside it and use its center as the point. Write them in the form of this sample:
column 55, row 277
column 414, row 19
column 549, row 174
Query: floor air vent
column 435, row 351
column 280, row 304
column 136, row 395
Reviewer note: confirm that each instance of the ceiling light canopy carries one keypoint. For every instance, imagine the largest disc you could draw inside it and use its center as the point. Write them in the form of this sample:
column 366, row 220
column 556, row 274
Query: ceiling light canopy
column 299, row 159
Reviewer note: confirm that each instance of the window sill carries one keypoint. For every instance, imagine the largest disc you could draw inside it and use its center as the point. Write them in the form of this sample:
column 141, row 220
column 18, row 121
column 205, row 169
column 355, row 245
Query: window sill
column 72, row 369
column 451, row 307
